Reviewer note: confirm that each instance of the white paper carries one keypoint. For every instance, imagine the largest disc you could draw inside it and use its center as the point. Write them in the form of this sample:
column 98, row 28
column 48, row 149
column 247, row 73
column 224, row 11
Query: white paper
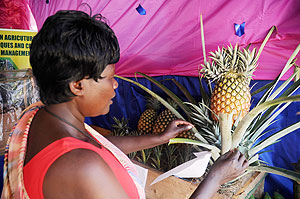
column 194, row 168
column 143, row 173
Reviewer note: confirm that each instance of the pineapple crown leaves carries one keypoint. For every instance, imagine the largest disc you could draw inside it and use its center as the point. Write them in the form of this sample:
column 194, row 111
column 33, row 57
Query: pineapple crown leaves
column 121, row 126
column 230, row 59
column 172, row 103
column 153, row 103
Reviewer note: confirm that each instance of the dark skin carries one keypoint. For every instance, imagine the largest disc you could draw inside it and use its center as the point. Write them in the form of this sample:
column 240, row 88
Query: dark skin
column 83, row 173
column 228, row 167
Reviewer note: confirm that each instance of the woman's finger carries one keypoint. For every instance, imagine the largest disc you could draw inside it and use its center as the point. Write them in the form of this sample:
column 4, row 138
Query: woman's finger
column 235, row 154
column 181, row 122
column 227, row 154
column 245, row 164
column 242, row 158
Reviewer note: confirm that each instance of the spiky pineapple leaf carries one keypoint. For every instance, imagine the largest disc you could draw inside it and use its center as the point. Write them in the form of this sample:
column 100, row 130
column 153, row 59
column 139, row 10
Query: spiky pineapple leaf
column 244, row 123
column 184, row 91
column 205, row 97
column 273, row 138
column 255, row 134
column 269, row 112
column 297, row 71
column 267, row 86
column 165, row 103
column 264, row 42
column 202, row 39
column 168, row 92
column 214, row 150
column 281, row 87
column 273, row 84
column 276, row 170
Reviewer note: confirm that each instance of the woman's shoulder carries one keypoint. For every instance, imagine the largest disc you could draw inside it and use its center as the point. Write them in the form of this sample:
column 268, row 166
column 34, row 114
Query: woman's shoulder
column 84, row 172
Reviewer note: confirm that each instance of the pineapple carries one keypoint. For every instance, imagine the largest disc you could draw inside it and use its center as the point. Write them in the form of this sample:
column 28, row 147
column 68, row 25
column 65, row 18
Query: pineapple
column 120, row 128
column 148, row 117
column 231, row 70
column 165, row 118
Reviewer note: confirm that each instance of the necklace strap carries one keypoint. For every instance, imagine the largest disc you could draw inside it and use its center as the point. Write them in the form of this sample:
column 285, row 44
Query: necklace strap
column 70, row 124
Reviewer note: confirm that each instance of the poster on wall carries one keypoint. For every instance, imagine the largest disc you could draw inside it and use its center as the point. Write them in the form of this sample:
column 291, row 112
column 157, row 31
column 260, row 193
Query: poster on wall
column 15, row 48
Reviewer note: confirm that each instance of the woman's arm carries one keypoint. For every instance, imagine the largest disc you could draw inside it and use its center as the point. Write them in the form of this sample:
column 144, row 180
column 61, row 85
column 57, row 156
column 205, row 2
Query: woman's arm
column 226, row 168
column 129, row 144
column 81, row 173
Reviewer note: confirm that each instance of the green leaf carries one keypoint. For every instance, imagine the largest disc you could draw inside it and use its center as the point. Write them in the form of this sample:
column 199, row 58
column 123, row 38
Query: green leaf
column 267, row 86
column 263, row 119
column 214, row 150
column 205, row 96
column 264, row 43
column 276, row 170
column 168, row 92
column 244, row 123
column 273, row 138
column 287, row 66
column 282, row 87
column 184, row 91
column 267, row 123
column 267, row 196
column 165, row 103
column 202, row 39
column 277, row 195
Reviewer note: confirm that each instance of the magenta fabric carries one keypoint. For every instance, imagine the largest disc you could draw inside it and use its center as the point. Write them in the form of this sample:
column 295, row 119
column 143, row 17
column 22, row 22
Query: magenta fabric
column 14, row 14
column 167, row 40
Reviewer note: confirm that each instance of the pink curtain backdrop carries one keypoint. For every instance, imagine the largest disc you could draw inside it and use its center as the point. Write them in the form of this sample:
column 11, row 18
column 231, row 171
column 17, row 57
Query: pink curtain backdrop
column 167, row 41
column 14, row 14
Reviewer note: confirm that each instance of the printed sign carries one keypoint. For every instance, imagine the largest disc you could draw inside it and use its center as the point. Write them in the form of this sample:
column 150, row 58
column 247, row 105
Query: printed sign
column 15, row 48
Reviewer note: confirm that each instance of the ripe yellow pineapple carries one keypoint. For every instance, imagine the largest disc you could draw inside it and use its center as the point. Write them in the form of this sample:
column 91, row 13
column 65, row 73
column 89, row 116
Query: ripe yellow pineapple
column 164, row 118
column 148, row 117
column 231, row 69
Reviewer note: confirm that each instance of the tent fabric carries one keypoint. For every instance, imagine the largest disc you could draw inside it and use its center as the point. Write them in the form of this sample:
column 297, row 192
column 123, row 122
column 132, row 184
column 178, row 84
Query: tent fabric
column 130, row 103
column 14, row 14
column 167, row 40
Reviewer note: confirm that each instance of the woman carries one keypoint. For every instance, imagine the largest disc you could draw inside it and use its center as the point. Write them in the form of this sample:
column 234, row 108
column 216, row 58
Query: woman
column 73, row 60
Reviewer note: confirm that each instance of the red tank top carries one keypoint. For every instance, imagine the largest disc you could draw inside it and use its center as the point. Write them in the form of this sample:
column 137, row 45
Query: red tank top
column 36, row 169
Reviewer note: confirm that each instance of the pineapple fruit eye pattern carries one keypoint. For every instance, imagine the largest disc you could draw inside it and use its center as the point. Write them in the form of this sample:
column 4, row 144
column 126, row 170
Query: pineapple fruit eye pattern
column 231, row 95
column 151, row 121
column 231, row 69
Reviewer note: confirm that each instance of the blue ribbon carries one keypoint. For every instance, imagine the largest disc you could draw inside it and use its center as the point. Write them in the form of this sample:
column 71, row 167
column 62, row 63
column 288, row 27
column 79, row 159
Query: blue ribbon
column 239, row 29
column 141, row 10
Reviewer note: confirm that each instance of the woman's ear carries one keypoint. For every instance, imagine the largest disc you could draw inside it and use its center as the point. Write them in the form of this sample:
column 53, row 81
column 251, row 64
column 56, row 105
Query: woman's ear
column 76, row 87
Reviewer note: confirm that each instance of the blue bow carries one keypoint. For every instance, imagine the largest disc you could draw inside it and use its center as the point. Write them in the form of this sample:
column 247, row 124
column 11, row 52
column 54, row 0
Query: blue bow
column 239, row 29
column 141, row 10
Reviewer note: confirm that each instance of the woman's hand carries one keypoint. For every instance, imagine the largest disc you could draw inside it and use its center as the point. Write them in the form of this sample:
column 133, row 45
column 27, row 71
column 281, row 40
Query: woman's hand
column 129, row 144
column 229, row 166
column 174, row 128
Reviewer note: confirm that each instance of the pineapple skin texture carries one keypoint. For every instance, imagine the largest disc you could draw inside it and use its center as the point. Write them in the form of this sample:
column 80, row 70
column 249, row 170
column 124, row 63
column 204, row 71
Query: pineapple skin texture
column 231, row 95
column 146, row 121
column 162, row 122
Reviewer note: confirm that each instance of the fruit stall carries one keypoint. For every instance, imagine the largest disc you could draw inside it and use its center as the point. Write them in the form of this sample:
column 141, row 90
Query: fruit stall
column 231, row 69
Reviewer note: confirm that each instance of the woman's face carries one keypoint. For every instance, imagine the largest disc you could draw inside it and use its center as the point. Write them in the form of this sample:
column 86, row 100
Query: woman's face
column 99, row 94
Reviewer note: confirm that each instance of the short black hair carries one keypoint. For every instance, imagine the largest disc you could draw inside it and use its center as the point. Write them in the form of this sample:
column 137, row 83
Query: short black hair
column 70, row 46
